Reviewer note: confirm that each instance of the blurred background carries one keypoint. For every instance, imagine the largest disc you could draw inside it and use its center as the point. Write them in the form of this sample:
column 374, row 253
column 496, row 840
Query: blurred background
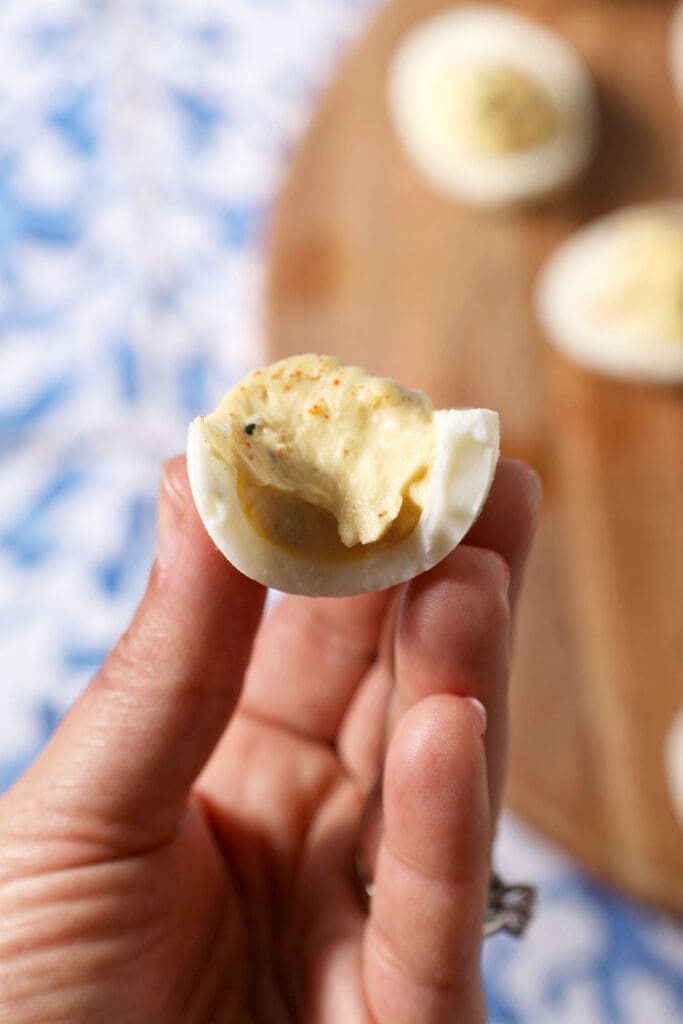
column 188, row 190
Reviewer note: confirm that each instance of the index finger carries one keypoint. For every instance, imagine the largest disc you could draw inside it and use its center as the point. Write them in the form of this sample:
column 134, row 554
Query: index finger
column 508, row 520
column 505, row 526
column 422, row 939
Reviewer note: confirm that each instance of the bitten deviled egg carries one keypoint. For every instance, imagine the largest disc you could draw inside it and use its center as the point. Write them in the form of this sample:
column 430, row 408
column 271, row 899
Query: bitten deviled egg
column 611, row 296
column 491, row 107
column 315, row 477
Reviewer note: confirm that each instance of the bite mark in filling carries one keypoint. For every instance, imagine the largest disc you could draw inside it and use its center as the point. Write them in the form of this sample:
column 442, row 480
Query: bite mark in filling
column 331, row 462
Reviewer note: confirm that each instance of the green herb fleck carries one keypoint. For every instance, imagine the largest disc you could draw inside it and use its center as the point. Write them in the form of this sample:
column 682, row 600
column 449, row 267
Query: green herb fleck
column 250, row 428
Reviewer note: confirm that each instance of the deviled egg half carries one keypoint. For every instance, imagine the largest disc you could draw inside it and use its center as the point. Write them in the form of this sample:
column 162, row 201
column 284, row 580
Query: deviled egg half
column 315, row 477
column 491, row 107
column 611, row 296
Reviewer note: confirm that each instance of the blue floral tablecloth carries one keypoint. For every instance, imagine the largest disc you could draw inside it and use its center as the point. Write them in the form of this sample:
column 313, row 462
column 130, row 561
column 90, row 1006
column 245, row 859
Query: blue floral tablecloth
column 141, row 144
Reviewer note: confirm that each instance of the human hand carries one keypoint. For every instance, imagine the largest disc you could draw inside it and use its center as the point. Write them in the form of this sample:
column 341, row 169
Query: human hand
column 183, row 849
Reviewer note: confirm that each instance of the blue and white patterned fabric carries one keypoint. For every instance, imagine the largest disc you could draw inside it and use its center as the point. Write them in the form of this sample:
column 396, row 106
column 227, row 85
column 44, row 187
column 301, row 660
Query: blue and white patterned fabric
column 141, row 143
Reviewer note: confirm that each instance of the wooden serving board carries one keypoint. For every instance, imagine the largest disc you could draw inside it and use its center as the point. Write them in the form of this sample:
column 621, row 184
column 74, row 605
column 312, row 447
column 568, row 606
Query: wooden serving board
column 368, row 263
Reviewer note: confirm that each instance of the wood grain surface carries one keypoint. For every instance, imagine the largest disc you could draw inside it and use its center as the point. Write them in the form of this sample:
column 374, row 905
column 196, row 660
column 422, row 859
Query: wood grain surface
column 368, row 263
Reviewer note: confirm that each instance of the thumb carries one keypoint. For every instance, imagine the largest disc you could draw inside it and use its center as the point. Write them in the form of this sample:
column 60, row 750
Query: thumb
column 122, row 763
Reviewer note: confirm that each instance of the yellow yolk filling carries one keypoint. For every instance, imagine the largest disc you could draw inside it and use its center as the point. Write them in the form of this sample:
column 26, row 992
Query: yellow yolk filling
column 644, row 290
column 331, row 462
column 497, row 109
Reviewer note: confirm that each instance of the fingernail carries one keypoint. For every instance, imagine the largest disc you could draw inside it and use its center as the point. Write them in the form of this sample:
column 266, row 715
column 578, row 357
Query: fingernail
column 480, row 711
column 170, row 521
column 535, row 488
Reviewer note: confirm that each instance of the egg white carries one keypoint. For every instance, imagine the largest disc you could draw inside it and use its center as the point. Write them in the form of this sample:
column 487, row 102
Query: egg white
column 567, row 285
column 466, row 453
column 673, row 763
column 482, row 35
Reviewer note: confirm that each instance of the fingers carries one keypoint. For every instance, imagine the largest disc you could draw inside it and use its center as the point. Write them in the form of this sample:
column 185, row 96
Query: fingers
column 127, row 754
column 506, row 526
column 309, row 657
column 422, row 940
column 453, row 638
column 307, row 640
column 508, row 519
column 453, row 631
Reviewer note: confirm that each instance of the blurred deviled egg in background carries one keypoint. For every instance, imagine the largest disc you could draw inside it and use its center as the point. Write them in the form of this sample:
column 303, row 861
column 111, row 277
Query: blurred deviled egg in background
column 676, row 50
column 492, row 108
column 611, row 296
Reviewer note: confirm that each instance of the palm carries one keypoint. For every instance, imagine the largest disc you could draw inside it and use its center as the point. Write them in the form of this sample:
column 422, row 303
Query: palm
column 271, row 853
column 287, row 849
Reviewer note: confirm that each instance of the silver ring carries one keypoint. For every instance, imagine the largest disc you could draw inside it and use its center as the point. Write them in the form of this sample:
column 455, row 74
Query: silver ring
column 509, row 907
